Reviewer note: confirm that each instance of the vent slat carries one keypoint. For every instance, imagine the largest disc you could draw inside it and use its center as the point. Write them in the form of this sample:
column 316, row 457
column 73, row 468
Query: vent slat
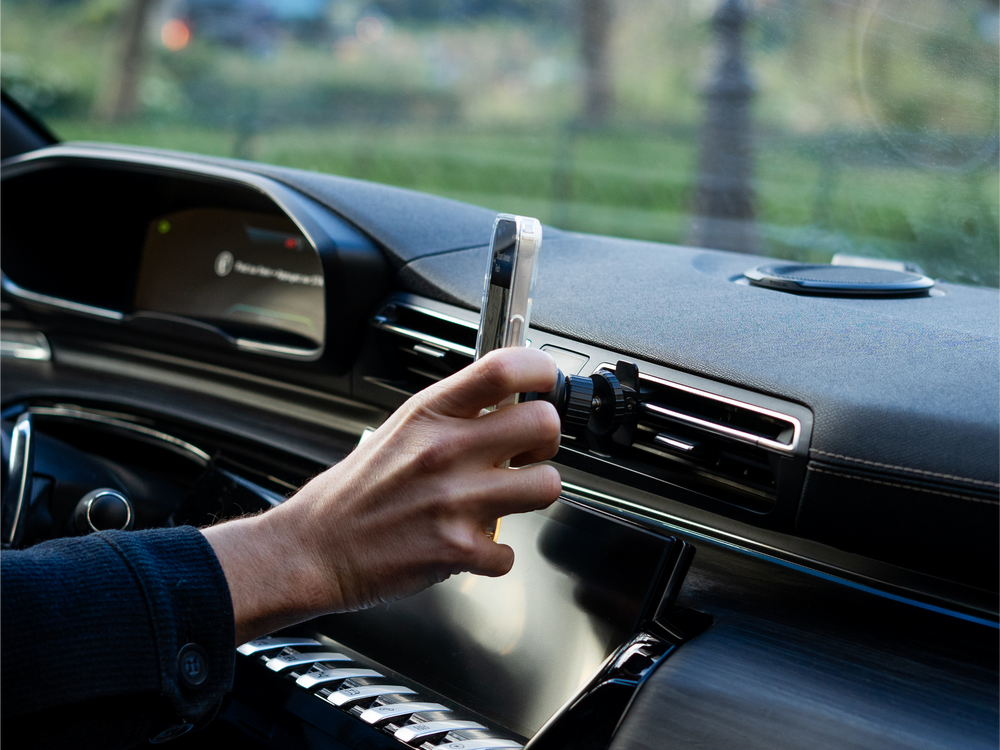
column 429, row 346
column 710, row 442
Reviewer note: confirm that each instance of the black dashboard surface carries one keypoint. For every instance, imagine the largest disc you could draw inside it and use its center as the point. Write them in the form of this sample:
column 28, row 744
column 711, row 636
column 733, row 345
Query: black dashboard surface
column 910, row 384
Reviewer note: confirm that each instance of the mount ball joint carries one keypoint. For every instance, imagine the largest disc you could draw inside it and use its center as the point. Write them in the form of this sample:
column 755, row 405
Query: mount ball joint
column 602, row 408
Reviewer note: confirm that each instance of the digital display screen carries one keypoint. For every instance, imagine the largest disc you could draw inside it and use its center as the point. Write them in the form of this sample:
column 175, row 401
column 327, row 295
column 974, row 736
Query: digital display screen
column 516, row 648
column 253, row 275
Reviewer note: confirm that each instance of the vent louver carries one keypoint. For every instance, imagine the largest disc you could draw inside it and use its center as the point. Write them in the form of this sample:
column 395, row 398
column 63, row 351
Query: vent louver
column 736, row 452
column 426, row 346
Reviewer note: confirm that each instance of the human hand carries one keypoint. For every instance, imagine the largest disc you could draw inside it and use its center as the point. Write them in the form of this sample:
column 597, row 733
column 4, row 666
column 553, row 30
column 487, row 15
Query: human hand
column 408, row 508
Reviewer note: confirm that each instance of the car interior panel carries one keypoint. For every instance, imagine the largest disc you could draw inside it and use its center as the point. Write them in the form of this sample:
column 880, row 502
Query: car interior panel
column 783, row 534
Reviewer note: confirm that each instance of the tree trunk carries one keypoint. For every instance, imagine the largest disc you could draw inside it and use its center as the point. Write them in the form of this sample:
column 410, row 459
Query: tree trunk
column 595, row 20
column 123, row 101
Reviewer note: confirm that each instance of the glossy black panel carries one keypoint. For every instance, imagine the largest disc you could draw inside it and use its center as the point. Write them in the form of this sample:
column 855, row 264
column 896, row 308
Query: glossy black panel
column 515, row 648
column 796, row 661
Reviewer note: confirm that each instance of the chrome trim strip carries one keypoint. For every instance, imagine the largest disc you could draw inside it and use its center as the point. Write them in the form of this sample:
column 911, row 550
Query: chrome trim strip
column 268, row 642
column 61, row 304
column 64, row 413
column 429, row 351
column 439, row 315
column 375, row 714
column 20, row 468
column 741, row 435
column 284, row 661
column 323, row 676
column 412, row 732
column 424, row 338
column 346, row 696
column 19, row 344
column 480, row 744
column 284, row 351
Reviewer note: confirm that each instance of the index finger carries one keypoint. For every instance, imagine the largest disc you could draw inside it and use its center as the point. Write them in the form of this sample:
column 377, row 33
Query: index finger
column 490, row 380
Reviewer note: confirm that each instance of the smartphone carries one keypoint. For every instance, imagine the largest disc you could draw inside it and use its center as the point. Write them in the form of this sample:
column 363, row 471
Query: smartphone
column 511, row 268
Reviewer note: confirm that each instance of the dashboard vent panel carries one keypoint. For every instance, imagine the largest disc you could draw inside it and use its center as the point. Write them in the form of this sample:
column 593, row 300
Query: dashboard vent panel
column 737, row 453
column 426, row 346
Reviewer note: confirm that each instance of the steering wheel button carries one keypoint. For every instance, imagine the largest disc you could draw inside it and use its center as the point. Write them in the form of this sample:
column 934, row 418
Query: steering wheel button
column 377, row 714
column 323, row 676
column 354, row 694
column 269, row 642
column 289, row 659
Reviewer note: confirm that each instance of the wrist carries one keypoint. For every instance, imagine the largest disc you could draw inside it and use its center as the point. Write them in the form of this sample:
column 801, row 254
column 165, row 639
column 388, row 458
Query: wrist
column 273, row 583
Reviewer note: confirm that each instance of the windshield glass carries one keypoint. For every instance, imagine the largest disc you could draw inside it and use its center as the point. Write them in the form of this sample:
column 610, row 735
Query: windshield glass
column 805, row 129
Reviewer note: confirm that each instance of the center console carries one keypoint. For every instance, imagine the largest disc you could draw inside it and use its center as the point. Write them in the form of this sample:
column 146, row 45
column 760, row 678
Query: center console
column 548, row 655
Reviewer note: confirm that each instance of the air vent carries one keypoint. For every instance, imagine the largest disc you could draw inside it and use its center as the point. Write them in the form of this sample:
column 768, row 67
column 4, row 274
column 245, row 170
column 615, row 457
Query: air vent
column 738, row 453
column 426, row 346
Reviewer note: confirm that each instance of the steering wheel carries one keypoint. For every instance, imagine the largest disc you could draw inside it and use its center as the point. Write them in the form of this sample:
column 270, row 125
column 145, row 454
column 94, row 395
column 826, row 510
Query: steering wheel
column 19, row 466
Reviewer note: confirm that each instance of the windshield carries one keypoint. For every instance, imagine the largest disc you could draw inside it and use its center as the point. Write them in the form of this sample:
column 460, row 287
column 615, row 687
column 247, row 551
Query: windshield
column 814, row 130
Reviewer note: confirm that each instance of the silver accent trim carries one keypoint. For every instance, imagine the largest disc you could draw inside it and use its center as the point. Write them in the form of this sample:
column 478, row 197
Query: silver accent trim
column 409, row 333
column 61, row 304
column 413, row 732
column 439, row 315
column 283, row 351
column 718, row 429
column 281, row 662
column 268, row 642
column 674, row 443
column 480, row 744
column 429, row 351
column 323, row 676
column 25, row 345
column 394, row 710
column 20, row 469
column 114, row 494
column 360, row 692
column 64, row 413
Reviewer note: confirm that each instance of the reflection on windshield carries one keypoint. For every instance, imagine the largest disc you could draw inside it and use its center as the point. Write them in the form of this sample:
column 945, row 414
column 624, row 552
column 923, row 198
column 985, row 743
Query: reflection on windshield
column 802, row 129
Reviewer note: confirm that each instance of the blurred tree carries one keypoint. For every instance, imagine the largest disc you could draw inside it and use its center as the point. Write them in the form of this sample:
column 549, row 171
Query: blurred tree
column 595, row 30
column 121, row 101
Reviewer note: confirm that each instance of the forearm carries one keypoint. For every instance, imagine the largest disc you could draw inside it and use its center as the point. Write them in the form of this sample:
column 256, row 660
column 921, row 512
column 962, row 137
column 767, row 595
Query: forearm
column 125, row 605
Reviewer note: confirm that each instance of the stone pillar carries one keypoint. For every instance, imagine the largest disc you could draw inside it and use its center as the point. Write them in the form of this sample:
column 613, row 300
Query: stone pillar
column 723, row 215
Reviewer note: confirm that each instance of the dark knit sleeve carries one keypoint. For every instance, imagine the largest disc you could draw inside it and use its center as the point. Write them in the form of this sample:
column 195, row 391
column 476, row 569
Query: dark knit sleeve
column 110, row 639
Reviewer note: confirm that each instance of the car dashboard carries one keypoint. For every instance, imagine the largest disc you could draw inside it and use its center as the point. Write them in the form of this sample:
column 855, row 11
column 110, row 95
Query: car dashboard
column 796, row 546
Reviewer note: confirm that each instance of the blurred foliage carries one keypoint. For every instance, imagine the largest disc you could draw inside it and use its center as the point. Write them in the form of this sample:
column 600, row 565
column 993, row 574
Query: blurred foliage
column 876, row 120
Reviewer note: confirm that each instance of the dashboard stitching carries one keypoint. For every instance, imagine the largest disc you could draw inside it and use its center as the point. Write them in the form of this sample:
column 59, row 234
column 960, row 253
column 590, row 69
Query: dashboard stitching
column 904, row 486
column 906, row 468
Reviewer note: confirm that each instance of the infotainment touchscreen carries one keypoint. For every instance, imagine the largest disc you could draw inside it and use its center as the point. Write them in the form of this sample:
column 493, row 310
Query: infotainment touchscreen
column 515, row 648
column 252, row 275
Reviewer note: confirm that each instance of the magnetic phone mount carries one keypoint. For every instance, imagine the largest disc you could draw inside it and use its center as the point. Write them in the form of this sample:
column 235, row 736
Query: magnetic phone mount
column 602, row 408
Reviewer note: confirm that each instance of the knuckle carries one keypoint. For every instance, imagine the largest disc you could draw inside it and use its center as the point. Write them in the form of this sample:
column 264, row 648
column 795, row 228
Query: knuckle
column 457, row 548
column 437, row 454
column 497, row 371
